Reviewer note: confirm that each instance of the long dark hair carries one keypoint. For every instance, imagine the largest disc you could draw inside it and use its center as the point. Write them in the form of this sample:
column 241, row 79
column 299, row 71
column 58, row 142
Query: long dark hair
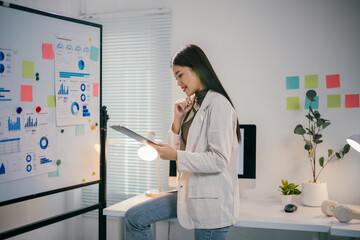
column 193, row 57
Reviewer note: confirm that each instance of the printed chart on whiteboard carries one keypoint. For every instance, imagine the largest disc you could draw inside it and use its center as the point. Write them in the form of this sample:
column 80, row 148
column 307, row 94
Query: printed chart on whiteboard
column 27, row 145
column 73, row 86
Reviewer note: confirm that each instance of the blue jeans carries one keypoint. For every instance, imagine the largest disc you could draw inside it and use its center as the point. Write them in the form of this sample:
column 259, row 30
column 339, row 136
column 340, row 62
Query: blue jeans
column 139, row 217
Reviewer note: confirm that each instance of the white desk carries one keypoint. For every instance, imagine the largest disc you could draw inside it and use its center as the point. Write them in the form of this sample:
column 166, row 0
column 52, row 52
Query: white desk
column 269, row 214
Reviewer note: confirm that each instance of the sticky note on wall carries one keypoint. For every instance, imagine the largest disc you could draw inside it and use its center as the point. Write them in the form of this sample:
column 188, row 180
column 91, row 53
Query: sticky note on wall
column 292, row 103
column 311, row 81
column 333, row 81
column 292, row 82
column 334, row 101
column 352, row 101
column 314, row 105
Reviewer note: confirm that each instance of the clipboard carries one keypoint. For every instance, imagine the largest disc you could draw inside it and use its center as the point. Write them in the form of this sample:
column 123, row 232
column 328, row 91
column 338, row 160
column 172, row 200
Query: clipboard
column 133, row 135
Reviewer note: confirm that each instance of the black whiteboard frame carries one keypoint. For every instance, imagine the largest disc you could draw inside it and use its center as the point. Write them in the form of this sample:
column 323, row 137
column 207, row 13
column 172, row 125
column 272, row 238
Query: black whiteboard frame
column 102, row 181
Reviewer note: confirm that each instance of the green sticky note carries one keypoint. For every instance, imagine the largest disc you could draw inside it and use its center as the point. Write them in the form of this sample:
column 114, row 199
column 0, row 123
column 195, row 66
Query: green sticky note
column 51, row 101
column 28, row 69
column 334, row 101
column 94, row 55
column 311, row 81
column 292, row 103
column 80, row 130
column 54, row 173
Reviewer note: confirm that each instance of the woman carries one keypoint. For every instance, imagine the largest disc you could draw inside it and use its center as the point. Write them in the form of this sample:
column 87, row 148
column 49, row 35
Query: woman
column 203, row 139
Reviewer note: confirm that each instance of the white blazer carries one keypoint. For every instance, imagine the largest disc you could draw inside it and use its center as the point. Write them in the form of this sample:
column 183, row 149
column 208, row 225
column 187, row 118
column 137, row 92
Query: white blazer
column 208, row 195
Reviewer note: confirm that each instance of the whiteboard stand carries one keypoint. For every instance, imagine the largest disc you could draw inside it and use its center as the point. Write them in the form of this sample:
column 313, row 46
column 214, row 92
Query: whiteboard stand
column 22, row 18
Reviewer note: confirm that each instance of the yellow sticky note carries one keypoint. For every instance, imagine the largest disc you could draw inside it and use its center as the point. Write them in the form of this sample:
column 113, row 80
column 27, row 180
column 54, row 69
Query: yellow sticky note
column 28, row 69
column 292, row 103
column 311, row 81
column 51, row 101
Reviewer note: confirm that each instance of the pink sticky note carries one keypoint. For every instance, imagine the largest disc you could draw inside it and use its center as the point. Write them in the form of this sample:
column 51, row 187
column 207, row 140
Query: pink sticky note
column 47, row 51
column 26, row 93
column 352, row 101
column 95, row 89
column 333, row 81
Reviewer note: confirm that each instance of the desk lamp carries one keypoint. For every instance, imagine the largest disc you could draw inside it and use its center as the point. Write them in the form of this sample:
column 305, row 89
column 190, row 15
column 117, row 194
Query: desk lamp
column 148, row 153
column 354, row 142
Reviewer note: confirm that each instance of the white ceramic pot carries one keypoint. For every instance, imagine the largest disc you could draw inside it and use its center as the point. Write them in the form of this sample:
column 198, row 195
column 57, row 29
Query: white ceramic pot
column 313, row 194
column 285, row 199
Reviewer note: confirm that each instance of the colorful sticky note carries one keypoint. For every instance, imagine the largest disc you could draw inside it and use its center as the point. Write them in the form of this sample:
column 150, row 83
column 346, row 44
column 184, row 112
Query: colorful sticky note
column 51, row 101
column 94, row 53
column 96, row 89
column 314, row 105
column 47, row 51
column 351, row 100
column 55, row 173
column 333, row 81
column 292, row 103
column 26, row 93
column 27, row 69
column 334, row 101
column 311, row 81
column 80, row 130
column 292, row 82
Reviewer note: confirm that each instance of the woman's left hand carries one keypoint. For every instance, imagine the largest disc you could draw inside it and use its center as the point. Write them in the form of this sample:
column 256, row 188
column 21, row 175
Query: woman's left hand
column 165, row 151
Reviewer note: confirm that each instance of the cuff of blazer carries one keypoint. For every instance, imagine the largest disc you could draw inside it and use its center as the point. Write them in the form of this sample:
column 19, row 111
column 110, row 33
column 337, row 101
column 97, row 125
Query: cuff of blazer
column 173, row 138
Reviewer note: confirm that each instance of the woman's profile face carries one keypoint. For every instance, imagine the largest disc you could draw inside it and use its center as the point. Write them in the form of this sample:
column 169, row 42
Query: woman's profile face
column 187, row 79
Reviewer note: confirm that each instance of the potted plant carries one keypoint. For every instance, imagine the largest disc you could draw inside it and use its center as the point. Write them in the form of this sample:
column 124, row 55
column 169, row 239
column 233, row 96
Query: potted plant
column 287, row 191
column 315, row 191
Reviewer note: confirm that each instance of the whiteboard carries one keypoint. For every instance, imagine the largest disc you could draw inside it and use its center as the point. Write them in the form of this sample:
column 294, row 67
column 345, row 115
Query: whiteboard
column 49, row 102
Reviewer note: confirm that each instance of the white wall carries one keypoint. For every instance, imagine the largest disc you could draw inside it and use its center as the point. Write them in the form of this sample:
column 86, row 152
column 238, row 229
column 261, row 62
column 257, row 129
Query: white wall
column 253, row 46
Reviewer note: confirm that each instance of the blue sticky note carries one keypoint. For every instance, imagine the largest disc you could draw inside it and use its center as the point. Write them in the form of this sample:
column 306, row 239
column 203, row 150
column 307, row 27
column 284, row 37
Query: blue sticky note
column 292, row 82
column 80, row 130
column 55, row 173
column 314, row 105
column 94, row 53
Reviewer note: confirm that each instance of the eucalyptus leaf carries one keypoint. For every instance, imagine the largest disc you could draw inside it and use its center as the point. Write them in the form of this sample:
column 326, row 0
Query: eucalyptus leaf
column 309, row 117
column 317, row 114
column 320, row 122
column 346, row 148
column 317, row 137
column 299, row 130
column 338, row 155
column 311, row 94
column 330, row 152
column 321, row 161
column 325, row 125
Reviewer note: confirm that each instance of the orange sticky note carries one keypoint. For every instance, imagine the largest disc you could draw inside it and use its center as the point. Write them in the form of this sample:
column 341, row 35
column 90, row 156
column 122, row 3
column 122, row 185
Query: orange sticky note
column 95, row 89
column 26, row 93
column 333, row 81
column 47, row 51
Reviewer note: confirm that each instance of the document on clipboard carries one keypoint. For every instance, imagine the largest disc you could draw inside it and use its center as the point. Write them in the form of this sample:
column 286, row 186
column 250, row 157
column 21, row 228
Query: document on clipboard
column 133, row 135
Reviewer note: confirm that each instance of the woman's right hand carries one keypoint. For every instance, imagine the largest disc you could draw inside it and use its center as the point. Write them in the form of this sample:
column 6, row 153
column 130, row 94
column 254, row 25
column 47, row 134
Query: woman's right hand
column 181, row 107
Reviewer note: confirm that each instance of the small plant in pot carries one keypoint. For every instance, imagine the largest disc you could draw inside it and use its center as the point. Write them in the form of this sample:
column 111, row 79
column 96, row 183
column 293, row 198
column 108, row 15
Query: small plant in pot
column 315, row 191
column 287, row 191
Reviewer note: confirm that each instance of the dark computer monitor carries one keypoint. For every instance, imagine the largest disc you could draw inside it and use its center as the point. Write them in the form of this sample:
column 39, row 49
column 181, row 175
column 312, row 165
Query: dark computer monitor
column 247, row 159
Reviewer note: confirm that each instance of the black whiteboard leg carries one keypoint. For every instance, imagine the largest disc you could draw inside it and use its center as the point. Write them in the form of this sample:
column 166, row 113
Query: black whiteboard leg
column 102, row 186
